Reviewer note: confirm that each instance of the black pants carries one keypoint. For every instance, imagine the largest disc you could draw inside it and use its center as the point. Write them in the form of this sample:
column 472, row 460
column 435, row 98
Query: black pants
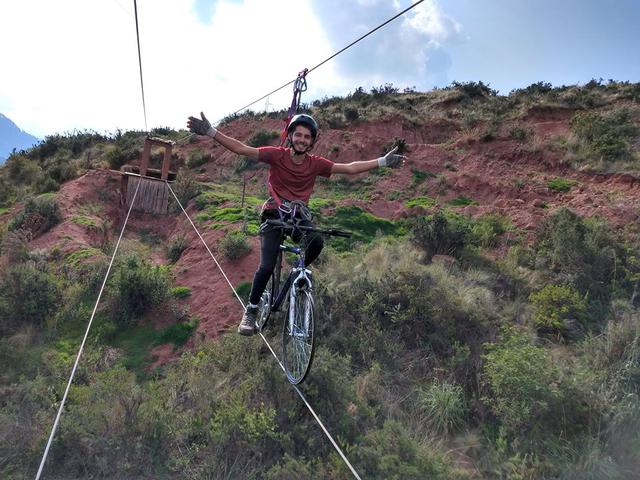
column 270, row 242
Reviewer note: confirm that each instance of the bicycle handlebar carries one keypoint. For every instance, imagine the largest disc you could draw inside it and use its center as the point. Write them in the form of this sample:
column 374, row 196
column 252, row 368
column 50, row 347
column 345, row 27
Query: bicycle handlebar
column 289, row 226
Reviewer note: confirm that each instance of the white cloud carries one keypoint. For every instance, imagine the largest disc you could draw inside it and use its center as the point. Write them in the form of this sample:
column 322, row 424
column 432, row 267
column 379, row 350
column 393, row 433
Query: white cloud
column 74, row 64
column 402, row 52
column 429, row 20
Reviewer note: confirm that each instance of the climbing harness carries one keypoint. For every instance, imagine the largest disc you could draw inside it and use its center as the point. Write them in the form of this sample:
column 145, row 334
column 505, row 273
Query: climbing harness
column 299, row 86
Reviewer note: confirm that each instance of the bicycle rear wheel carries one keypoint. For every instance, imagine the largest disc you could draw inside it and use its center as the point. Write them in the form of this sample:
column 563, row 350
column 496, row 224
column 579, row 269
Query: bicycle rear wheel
column 298, row 336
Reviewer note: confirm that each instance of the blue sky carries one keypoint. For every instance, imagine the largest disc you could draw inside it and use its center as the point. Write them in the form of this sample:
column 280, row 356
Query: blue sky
column 74, row 65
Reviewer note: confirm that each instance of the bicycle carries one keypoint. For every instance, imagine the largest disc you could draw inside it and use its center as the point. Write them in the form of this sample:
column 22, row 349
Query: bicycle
column 298, row 338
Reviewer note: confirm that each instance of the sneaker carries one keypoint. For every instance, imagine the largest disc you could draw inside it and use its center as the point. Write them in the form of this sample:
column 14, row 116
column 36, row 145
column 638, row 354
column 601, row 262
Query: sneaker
column 248, row 323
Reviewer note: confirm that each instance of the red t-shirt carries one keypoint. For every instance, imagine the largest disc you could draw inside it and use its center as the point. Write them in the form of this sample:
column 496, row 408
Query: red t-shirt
column 291, row 181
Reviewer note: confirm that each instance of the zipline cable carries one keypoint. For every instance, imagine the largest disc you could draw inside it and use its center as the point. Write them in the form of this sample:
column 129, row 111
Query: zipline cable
column 295, row 387
column 333, row 56
column 86, row 334
column 144, row 107
column 313, row 68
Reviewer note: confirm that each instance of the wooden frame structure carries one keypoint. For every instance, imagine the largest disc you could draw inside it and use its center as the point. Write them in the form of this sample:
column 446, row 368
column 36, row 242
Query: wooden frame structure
column 153, row 195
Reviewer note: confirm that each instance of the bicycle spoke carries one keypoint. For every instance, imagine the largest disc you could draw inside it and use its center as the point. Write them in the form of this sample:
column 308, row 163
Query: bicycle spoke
column 298, row 337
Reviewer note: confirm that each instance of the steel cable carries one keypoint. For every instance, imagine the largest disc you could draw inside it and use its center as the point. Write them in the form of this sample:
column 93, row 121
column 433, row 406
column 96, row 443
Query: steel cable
column 86, row 334
column 295, row 387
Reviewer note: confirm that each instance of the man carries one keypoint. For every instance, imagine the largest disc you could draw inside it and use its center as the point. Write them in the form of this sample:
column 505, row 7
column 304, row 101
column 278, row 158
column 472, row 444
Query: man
column 292, row 175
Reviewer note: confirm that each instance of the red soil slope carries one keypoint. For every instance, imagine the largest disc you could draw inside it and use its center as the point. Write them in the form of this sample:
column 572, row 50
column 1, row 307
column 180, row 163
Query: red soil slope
column 503, row 176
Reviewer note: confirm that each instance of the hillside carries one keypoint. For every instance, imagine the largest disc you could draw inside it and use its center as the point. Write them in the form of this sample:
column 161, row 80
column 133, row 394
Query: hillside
column 485, row 315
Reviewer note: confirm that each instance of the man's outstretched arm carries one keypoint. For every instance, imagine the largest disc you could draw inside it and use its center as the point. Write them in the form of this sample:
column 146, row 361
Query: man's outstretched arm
column 203, row 127
column 391, row 159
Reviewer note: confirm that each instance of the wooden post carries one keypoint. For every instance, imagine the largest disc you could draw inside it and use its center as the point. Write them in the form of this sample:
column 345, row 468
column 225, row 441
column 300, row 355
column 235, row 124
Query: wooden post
column 144, row 161
column 166, row 162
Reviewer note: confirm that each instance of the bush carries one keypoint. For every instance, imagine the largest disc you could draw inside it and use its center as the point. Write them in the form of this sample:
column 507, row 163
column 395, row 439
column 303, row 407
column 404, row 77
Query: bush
column 15, row 245
column 520, row 134
column 522, row 379
column 441, row 233
column 138, row 287
column 180, row 292
column 391, row 453
column 198, row 158
column 185, row 187
column 28, row 296
column 585, row 253
column 473, row 89
column 234, row 245
column 263, row 138
column 486, row 231
column 39, row 215
column 556, row 306
column 177, row 245
column 608, row 136
column 561, row 184
column 444, row 405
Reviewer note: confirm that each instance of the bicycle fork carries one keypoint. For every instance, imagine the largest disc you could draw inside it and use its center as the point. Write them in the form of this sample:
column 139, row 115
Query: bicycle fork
column 302, row 282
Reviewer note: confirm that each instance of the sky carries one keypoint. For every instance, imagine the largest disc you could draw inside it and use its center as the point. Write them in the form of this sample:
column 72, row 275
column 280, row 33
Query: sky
column 73, row 64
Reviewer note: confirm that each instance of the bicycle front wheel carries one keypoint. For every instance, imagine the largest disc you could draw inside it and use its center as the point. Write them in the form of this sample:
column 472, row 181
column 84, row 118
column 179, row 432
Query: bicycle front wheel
column 298, row 336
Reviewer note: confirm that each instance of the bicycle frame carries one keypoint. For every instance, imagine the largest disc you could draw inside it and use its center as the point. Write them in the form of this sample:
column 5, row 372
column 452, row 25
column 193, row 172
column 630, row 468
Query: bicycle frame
column 298, row 328
column 297, row 274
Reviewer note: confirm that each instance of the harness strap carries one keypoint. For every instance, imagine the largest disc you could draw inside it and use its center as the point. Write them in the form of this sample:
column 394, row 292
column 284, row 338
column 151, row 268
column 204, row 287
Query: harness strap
column 299, row 86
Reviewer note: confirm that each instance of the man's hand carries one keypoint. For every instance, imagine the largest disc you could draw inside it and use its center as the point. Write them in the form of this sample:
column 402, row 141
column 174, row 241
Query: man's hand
column 201, row 127
column 392, row 159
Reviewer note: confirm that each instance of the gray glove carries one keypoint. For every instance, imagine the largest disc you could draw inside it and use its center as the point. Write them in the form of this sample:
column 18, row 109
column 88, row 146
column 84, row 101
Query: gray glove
column 392, row 159
column 201, row 127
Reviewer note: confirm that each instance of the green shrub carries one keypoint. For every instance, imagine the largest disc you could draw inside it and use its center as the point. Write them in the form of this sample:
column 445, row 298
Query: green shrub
column 473, row 89
column 586, row 253
column 243, row 290
column 444, row 405
column 520, row 134
column 39, row 215
column 557, row 305
column 391, row 453
column 234, row 245
column 180, row 292
column 177, row 334
column 263, row 138
column 47, row 184
column 23, row 170
column 522, row 379
column 418, row 176
column 15, row 245
column 28, row 296
column 138, row 287
column 185, row 187
column 486, row 230
column 424, row 202
column 607, row 135
column 441, row 233
column 561, row 184
column 198, row 158
column 462, row 201
column 351, row 114
column 177, row 245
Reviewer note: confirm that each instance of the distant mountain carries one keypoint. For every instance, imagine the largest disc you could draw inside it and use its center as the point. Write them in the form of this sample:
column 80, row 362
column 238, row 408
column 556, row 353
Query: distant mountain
column 12, row 137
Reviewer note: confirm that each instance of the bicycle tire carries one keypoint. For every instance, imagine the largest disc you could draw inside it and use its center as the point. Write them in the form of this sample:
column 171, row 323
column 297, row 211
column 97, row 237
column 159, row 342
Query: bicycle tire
column 298, row 344
column 264, row 306
column 268, row 296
